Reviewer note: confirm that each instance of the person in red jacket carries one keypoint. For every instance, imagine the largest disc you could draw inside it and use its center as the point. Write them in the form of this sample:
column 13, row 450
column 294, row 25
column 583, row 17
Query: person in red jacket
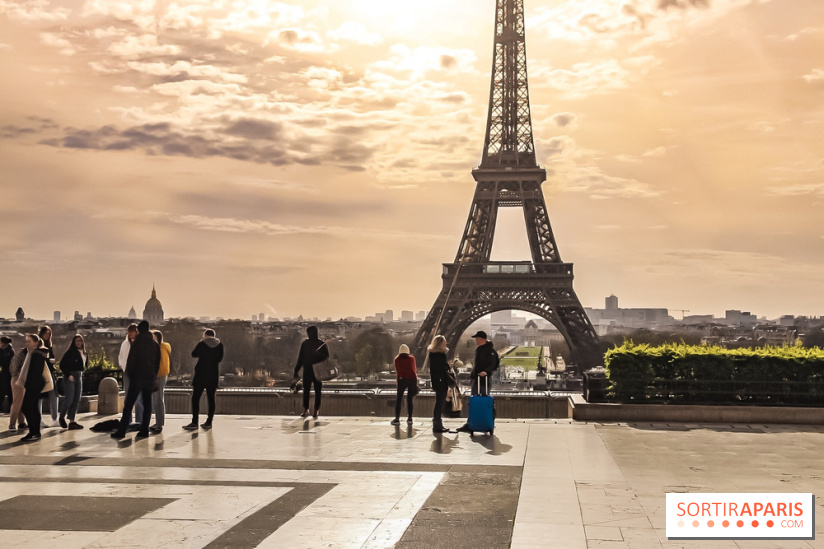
column 407, row 374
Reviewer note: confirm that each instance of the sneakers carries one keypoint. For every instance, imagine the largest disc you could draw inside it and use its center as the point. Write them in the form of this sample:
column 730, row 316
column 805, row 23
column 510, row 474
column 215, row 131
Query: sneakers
column 305, row 413
column 409, row 421
column 142, row 434
column 395, row 421
column 156, row 429
column 74, row 426
column 30, row 438
column 63, row 422
column 191, row 427
column 207, row 424
column 315, row 415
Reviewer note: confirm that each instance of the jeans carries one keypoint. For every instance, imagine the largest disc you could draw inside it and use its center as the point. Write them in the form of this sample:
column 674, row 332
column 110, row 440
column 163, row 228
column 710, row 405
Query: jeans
column 53, row 407
column 308, row 383
column 135, row 391
column 210, row 397
column 405, row 385
column 138, row 406
column 73, row 390
column 158, row 403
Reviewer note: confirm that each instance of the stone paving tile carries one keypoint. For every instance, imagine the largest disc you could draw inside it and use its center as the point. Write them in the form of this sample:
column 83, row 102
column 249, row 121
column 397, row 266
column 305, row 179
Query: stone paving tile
column 566, row 484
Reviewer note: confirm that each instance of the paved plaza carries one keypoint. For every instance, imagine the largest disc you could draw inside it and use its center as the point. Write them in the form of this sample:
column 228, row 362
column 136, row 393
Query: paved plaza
column 359, row 482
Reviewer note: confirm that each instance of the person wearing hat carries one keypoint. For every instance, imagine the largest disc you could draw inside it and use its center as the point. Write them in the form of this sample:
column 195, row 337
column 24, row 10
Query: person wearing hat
column 407, row 377
column 486, row 362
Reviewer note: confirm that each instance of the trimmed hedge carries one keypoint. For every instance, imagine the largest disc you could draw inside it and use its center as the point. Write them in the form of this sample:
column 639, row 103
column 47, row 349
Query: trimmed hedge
column 700, row 373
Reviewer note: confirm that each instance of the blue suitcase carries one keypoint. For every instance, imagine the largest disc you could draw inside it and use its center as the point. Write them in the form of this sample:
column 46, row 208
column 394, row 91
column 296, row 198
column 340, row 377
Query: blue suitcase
column 481, row 411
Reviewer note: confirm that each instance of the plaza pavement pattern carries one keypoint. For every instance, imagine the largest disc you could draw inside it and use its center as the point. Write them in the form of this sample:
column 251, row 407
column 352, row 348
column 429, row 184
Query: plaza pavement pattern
column 347, row 482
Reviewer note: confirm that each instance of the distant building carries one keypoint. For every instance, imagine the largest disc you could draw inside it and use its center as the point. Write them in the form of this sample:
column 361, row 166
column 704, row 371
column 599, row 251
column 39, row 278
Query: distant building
column 78, row 317
column 421, row 316
column 738, row 318
column 389, row 315
column 153, row 312
column 407, row 316
column 611, row 303
column 20, row 315
column 132, row 313
column 57, row 316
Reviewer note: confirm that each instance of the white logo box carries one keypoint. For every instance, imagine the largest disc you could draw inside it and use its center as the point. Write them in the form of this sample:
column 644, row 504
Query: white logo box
column 740, row 516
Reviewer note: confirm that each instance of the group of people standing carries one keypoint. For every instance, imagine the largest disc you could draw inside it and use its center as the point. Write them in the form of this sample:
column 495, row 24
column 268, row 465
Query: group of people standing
column 442, row 376
column 28, row 378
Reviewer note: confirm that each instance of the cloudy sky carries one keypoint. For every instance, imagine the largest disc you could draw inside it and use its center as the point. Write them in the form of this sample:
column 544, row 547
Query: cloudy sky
column 313, row 156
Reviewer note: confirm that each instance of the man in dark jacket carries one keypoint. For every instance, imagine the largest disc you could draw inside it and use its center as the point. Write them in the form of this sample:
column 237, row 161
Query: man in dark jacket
column 209, row 353
column 486, row 362
column 141, row 367
column 6, row 356
column 312, row 351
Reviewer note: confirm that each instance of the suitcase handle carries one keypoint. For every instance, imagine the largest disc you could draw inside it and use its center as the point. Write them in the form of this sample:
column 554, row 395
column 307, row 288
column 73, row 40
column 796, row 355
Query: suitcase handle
column 486, row 382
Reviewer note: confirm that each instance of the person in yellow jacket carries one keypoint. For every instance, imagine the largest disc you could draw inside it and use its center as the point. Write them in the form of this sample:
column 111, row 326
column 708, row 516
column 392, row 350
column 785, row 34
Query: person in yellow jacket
column 158, row 404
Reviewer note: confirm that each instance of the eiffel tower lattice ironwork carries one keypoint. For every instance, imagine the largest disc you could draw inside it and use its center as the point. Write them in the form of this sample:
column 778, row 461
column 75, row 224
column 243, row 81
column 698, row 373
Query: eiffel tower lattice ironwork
column 509, row 176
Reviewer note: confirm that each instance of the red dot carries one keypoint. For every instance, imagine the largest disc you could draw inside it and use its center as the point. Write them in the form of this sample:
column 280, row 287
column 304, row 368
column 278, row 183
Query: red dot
column 770, row 523
column 695, row 524
column 710, row 523
column 754, row 523
column 740, row 523
column 725, row 523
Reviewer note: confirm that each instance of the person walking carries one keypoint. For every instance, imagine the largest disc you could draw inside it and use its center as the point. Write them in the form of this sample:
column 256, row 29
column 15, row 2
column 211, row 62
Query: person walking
column 45, row 334
column 158, row 402
column 31, row 377
column 486, row 362
column 16, row 418
column 72, row 365
column 141, row 367
column 6, row 356
column 312, row 351
column 122, row 359
column 407, row 378
column 439, row 375
column 209, row 353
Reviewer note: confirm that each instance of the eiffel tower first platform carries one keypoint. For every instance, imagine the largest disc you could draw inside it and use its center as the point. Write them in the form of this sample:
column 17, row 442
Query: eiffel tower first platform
column 509, row 177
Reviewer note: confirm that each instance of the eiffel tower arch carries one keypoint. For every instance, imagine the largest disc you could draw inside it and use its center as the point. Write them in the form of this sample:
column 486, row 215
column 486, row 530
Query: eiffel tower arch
column 509, row 177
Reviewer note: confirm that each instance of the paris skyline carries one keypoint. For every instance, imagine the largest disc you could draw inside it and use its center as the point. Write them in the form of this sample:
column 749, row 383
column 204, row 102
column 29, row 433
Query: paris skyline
column 315, row 156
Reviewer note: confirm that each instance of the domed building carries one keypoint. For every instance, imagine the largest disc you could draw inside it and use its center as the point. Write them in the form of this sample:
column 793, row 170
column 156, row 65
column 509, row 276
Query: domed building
column 154, row 310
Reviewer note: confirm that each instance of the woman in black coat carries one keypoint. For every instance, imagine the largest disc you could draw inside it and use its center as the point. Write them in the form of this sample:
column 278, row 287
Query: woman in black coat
column 72, row 365
column 439, row 376
column 37, row 359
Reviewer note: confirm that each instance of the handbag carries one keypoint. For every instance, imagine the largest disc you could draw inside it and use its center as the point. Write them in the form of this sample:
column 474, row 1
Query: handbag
column 48, row 381
column 326, row 370
column 453, row 395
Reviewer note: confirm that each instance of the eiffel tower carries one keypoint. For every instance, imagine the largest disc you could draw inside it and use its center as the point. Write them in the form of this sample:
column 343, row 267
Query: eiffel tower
column 509, row 177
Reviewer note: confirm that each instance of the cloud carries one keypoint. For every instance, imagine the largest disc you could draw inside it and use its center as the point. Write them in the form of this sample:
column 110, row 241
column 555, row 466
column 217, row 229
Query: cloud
column 682, row 4
column 589, row 79
column 817, row 75
column 565, row 120
column 799, row 189
column 31, row 11
column 247, row 140
column 356, row 33
column 423, row 59
column 657, row 152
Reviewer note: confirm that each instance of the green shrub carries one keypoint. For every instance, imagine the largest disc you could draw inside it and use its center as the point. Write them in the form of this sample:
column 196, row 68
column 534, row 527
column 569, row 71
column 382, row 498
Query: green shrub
column 700, row 373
